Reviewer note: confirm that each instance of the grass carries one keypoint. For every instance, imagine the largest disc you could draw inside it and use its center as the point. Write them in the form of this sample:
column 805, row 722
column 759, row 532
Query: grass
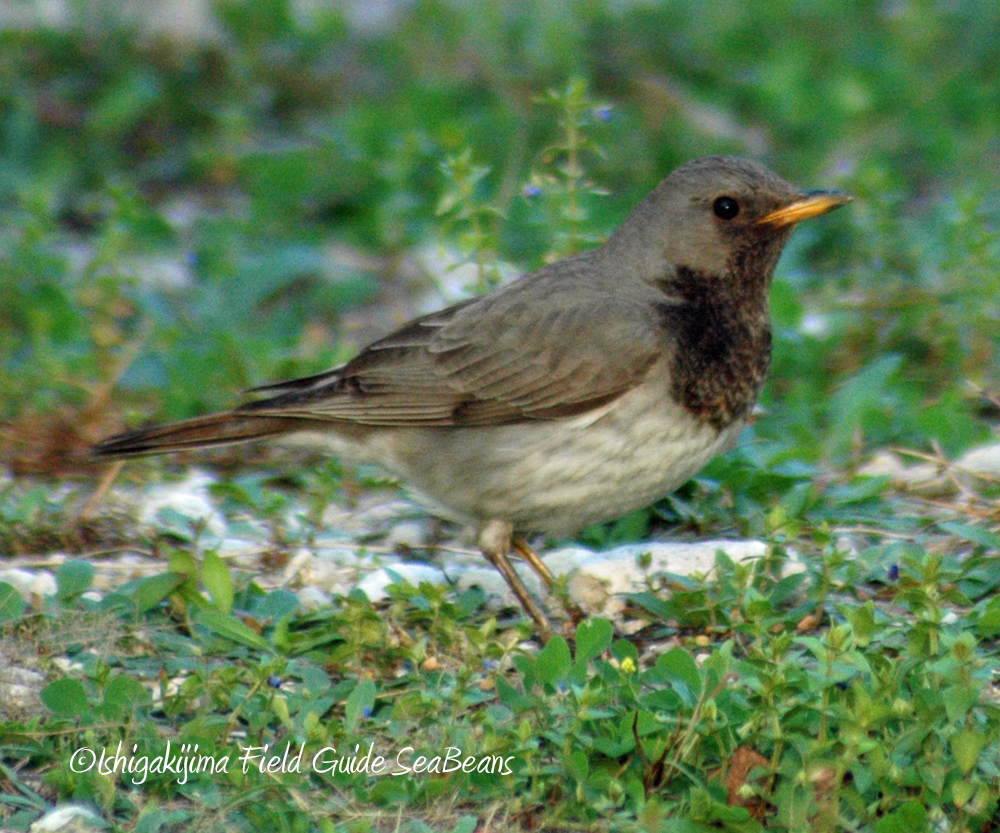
column 183, row 219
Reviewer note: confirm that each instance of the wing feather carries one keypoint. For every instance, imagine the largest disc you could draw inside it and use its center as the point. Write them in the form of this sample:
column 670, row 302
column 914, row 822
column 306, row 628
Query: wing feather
column 540, row 349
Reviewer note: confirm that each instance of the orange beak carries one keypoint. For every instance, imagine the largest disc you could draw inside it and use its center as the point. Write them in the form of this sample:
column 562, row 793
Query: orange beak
column 809, row 204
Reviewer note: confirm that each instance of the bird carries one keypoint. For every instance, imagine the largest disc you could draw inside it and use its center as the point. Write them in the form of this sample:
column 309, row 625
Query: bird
column 579, row 392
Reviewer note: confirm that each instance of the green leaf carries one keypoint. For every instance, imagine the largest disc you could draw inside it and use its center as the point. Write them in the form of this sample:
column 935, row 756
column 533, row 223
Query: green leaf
column 962, row 792
column 960, row 699
column 988, row 625
column 275, row 605
column 74, row 577
column 122, row 104
column 553, row 661
column 153, row 819
column 11, row 603
column 577, row 765
column 705, row 808
column 360, row 701
column 908, row 818
column 966, row 747
column 124, row 694
column 975, row 534
column 528, row 670
column 651, row 602
column 858, row 396
column 622, row 649
column 217, row 580
column 228, row 626
column 512, row 698
column 466, row 824
column 593, row 638
column 147, row 593
column 862, row 621
column 680, row 669
column 66, row 697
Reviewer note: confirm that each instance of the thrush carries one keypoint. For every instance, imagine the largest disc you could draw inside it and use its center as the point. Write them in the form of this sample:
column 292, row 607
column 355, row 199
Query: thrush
column 575, row 394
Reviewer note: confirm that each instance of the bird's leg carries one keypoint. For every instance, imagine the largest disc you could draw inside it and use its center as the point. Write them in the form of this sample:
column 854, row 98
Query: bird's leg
column 494, row 541
column 520, row 546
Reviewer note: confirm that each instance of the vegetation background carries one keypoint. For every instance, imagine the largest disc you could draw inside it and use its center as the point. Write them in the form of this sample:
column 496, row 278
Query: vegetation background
column 197, row 198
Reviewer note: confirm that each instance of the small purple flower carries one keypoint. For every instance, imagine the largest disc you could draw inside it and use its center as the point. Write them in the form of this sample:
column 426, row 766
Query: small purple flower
column 604, row 112
column 274, row 681
column 366, row 712
column 894, row 572
column 531, row 191
column 489, row 665
column 191, row 258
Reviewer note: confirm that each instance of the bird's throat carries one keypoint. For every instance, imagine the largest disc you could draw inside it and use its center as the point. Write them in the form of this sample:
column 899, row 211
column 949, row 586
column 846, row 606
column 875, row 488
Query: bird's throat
column 722, row 346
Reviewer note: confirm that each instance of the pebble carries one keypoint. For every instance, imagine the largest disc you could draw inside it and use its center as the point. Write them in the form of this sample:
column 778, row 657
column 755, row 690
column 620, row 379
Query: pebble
column 312, row 598
column 30, row 583
column 19, row 689
column 598, row 581
column 188, row 497
column 408, row 535
column 888, row 464
column 498, row 593
column 70, row 818
column 983, row 461
column 20, row 580
column 374, row 584
column 975, row 469
column 357, row 548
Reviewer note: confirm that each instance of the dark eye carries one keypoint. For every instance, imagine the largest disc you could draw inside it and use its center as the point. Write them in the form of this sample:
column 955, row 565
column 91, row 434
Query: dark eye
column 726, row 208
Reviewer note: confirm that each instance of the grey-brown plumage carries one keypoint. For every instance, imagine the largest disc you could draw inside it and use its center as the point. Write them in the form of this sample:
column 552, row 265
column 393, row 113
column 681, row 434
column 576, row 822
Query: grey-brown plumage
column 584, row 390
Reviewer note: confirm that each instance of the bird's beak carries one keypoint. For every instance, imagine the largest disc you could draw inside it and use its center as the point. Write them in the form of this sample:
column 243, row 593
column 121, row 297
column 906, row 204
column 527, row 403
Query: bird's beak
column 809, row 204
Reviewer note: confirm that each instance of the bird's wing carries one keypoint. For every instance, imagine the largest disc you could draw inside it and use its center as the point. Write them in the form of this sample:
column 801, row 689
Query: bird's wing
column 500, row 359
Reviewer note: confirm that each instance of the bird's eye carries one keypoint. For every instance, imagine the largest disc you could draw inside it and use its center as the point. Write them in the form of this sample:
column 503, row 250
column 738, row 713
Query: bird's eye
column 726, row 208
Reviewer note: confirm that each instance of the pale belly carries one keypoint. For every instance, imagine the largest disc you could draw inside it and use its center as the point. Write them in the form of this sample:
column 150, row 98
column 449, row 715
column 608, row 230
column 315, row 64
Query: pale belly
column 556, row 477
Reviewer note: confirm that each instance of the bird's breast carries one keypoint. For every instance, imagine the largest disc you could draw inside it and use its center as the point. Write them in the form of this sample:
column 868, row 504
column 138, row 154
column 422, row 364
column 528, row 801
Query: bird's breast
column 557, row 476
column 720, row 358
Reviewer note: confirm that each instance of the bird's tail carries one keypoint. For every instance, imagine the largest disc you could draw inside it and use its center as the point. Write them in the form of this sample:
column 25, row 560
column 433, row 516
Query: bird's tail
column 200, row 432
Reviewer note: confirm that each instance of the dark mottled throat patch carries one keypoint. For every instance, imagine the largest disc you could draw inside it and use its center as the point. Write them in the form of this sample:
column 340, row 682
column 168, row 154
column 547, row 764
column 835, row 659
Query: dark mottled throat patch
column 723, row 345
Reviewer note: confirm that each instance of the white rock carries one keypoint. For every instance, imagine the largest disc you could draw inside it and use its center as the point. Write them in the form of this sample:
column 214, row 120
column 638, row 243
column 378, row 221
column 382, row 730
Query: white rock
column 24, row 676
column 67, row 665
column 70, row 818
column 125, row 568
column 188, row 497
column 231, row 547
column 408, row 534
column 44, row 584
column 887, row 464
column 385, row 512
column 30, row 583
column 312, row 598
column 162, row 273
column 17, row 696
column 815, row 324
column 374, row 584
column 983, row 461
column 597, row 581
column 847, row 545
column 19, row 688
column 20, row 580
column 328, row 576
column 296, row 564
column 342, row 556
column 498, row 593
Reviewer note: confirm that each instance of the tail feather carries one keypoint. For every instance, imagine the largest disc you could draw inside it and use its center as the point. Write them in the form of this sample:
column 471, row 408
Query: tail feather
column 200, row 432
